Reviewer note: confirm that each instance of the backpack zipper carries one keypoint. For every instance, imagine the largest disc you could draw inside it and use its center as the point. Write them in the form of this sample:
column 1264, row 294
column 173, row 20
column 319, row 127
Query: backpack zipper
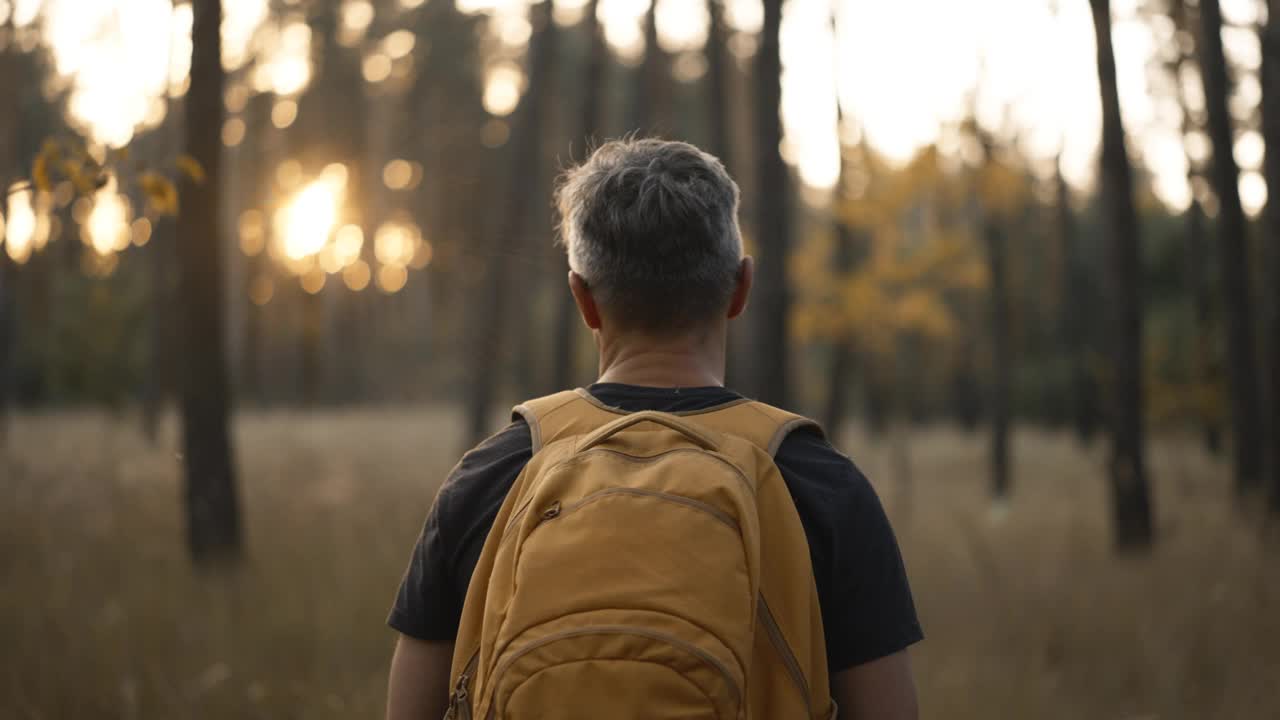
column 524, row 507
column 692, row 649
column 707, row 508
column 788, row 657
column 459, row 700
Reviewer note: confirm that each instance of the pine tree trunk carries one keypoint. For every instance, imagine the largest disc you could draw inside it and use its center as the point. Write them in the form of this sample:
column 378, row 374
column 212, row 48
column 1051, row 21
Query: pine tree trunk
column 771, row 304
column 1076, row 314
column 717, row 51
column 651, row 104
column 8, row 296
column 491, row 305
column 1131, row 503
column 159, row 255
column 1001, row 356
column 1271, row 221
column 1243, row 376
column 213, row 513
column 564, row 361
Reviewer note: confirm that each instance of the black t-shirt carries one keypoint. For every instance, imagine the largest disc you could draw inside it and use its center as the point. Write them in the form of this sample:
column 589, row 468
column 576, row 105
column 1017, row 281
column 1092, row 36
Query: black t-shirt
column 867, row 610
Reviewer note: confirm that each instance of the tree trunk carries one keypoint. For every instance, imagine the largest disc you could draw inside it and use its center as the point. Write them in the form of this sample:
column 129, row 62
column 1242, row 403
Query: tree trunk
column 1077, row 311
column 1131, row 503
column 8, row 295
column 651, row 104
column 1271, row 166
column 717, row 51
column 843, row 258
column 1001, row 356
column 159, row 254
column 1243, row 375
column 213, row 513
column 9, row 172
column 490, row 323
column 564, row 360
column 1197, row 256
column 773, row 224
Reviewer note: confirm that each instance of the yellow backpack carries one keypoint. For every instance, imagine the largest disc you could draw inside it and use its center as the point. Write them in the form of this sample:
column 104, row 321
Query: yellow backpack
column 644, row 565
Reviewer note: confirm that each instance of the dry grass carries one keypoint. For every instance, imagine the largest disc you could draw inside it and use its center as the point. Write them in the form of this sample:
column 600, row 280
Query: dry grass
column 1028, row 614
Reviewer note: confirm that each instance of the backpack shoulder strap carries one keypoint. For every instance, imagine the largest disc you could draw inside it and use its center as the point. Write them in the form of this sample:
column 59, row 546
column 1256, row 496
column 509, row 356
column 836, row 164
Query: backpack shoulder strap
column 571, row 412
column 764, row 426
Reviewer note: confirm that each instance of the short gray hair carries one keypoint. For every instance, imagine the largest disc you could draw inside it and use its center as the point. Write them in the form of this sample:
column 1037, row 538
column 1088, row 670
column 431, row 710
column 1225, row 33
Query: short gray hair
column 652, row 227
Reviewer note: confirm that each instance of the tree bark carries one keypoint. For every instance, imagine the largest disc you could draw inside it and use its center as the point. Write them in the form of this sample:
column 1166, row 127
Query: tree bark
column 773, row 224
column 717, row 51
column 491, row 305
column 651, row 104
column 1271, row 167
column 564, row 360
column 1243, row 376
column 1001, row 355
column 213, row 512
column 842, row 260
column 1076, row 312
column 1131, row 503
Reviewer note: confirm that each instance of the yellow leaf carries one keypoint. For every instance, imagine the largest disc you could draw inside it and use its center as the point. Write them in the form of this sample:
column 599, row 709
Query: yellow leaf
column 162, row 196
column 191, row 168
column 40, row 173
column 76, row 173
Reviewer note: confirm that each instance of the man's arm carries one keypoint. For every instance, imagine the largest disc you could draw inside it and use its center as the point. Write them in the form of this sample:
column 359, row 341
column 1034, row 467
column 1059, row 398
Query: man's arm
column 419, row 684
column 882, row 689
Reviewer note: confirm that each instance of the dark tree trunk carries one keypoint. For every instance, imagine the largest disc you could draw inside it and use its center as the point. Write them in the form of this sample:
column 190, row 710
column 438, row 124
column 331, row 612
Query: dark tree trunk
column 1271, row 166
column 1076, row 314
column 842, row 261
column 491, row 306
column 1001, row 356
column 1206, row 368
column 651, row 104
column 8, row 296
column 161, row 146
column 213, row 513
column 564, row 360
column 717, row 51
column 312, row 340
column 1243, row 376
column 773, row 225
column 156, row 387
column 1131, row 502
column 840, row 373
column 1198, row 258
column 9, row 172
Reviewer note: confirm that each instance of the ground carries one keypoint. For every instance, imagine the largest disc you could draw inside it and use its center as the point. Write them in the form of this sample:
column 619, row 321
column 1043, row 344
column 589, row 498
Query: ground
column 1027, row 612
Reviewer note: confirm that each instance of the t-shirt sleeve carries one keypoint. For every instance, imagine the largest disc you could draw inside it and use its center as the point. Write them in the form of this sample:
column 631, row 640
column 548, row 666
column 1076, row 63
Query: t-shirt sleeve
column 867, row 608
column 428, row 605
column 424, row 607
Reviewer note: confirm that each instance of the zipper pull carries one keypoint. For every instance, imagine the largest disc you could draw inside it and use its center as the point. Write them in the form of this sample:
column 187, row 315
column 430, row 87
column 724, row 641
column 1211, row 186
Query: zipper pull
column 552, row 511
column 457, row 701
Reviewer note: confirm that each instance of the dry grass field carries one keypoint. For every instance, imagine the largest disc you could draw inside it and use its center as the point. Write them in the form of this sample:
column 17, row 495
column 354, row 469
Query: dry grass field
column 1026, row 611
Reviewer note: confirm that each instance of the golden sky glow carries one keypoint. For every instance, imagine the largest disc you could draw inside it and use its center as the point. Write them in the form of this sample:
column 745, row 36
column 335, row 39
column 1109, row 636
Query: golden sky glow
column 905, row 69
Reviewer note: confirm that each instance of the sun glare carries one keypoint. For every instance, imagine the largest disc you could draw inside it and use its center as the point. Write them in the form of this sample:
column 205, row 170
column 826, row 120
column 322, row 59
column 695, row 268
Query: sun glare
column 304, row 225
column 26, row 229
column 107, row 227
column 503, row 85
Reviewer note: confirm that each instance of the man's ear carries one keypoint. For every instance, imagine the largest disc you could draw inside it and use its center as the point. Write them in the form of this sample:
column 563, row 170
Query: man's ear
column 586, row 304
column 742, row 289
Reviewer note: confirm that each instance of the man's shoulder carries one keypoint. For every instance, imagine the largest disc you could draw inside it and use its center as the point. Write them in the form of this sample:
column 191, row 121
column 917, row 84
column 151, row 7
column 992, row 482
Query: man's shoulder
column 500, row 456
column 808, row 458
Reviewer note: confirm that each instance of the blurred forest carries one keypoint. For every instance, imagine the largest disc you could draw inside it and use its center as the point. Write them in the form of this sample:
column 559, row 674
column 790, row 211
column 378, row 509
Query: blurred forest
column 321, row 263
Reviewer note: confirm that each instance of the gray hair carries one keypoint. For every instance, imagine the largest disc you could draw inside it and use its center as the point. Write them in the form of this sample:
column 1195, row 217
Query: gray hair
column 651, row 226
